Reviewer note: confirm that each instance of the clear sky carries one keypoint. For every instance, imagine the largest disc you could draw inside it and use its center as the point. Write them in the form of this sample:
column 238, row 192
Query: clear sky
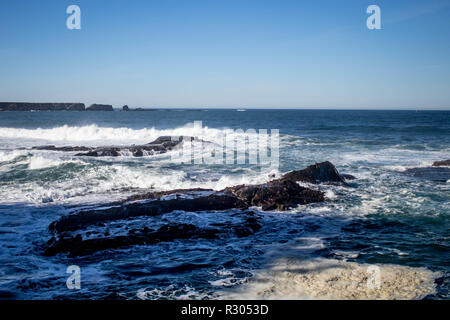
column 226, row 53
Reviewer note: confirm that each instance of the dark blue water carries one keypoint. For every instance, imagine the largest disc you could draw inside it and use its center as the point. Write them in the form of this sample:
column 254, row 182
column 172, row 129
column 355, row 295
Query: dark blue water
column 386, row 216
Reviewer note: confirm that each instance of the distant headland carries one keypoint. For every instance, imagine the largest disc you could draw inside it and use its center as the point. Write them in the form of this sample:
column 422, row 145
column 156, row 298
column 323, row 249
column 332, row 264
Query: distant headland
column 71, row 106
column 66, row 106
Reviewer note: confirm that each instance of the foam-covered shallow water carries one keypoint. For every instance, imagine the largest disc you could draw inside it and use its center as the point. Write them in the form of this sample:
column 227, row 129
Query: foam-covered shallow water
column 387, row 217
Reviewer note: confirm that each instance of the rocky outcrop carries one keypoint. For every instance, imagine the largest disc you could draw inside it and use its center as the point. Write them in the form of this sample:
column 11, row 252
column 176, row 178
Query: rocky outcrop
column 125, row 108
column 324, row 172
column 441, row 163
column 215, row 201
column 161, row 145
column 277, row 194
column 31, row 106
column 100, row 107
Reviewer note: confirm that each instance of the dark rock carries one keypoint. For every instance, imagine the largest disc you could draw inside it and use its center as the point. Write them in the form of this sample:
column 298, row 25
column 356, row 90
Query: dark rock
column 77, row 247
column 440, row 174
column 441, row 163
column 347, row 176
column 125, row 108
column 278, row 194
column 317, row 173
column 32, row 106
column 159, row 146
column 160, row 194
column 66, row 149
column 7, row 295
column 219, row 201
column 100, row 107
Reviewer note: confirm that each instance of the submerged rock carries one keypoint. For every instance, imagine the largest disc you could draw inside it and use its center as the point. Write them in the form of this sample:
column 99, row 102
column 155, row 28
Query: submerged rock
column 347, row 177
column 439, row 174
column 76, row 246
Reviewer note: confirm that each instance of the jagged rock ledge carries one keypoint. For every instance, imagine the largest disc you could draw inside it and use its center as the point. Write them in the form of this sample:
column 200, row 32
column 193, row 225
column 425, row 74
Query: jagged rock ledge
column 161, row 145
column 278, row 194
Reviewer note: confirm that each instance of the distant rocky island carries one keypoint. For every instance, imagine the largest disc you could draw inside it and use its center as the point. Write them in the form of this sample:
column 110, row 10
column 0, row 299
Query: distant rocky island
column 33, row 106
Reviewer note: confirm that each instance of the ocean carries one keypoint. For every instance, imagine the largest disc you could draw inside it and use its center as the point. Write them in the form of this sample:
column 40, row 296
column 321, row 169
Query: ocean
column 388, row 219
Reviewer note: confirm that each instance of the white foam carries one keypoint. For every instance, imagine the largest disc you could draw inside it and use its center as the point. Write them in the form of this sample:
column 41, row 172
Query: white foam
column 94, row 135
column 9, row 155
column 110, row 182
column 319, row 278
column 40, row 162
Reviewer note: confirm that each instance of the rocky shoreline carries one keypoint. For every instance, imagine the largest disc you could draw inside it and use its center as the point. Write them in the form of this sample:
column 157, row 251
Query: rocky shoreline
column 80, row 233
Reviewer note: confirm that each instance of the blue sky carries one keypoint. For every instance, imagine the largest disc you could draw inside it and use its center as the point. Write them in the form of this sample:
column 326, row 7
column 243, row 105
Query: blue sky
column 226, row 53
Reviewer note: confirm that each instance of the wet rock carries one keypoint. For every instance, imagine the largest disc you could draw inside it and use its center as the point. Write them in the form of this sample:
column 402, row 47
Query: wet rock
column 278, row 194
column 66, row 148
column 75, row 246
column 219, row 201
column 441, row 163
column 160, row 194
column 324, row 172
column 125, row 108
column 159, row 146
column 347, row 176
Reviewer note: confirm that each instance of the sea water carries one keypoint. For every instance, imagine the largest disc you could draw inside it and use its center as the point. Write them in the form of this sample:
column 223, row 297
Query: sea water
column 386, row 218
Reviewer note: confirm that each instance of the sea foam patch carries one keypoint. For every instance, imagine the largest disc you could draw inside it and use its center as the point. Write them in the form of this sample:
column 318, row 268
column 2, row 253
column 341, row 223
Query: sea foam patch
column 319, row 278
